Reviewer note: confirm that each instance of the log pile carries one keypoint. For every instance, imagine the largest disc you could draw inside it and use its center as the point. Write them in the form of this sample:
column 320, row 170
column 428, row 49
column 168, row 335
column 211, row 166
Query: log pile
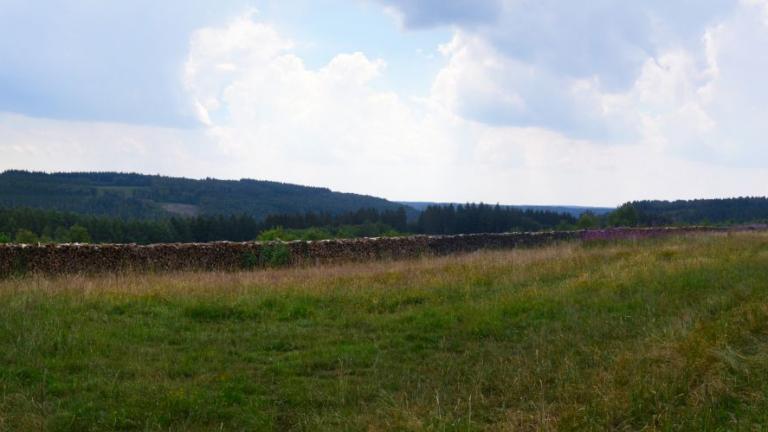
column 18, row 259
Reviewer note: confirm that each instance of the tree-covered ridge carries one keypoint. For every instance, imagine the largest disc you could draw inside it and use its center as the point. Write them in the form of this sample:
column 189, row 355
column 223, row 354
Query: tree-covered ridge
column 139, row 196
column 700, row 211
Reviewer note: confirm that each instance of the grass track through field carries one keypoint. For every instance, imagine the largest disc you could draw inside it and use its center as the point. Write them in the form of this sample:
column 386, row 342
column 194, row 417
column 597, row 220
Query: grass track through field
column 665, row 334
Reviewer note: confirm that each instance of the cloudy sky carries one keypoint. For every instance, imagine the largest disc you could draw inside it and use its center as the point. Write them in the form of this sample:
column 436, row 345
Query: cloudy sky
column 594, row 102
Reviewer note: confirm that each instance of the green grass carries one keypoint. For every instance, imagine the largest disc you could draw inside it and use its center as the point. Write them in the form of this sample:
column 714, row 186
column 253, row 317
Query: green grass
column 653, row 335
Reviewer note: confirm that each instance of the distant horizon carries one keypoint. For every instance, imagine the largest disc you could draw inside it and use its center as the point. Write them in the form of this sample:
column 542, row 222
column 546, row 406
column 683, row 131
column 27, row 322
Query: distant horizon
column 440, row 202
column 448, row 101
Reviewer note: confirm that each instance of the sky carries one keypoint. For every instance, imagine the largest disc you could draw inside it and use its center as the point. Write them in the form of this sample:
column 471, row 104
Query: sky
column 596, row 102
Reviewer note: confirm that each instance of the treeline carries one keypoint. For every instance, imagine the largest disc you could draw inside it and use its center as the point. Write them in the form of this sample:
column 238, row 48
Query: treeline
column 396, row 220
column 702, row 211
column 26, row 225
column 483, row 218
column 33, row 225
column 434, row 220
column 721, row 212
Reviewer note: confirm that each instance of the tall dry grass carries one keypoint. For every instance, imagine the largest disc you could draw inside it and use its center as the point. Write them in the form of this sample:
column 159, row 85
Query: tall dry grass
column 666, row 334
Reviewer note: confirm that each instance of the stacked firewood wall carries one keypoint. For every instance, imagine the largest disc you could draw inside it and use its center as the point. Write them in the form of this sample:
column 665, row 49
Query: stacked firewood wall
column 226, row 256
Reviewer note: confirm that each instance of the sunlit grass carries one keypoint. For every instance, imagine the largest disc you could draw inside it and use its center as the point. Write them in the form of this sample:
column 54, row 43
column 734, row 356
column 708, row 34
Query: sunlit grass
column 659, row 334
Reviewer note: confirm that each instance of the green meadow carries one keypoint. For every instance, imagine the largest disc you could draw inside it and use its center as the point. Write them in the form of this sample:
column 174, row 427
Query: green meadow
column 665, row 334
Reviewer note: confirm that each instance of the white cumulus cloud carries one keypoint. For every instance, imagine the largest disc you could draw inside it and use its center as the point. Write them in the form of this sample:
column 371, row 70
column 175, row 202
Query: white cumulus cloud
column 279, row 119
column 333, row 125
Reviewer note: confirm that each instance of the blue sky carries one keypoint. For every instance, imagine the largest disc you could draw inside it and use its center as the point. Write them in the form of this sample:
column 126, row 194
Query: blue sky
column 514, row 101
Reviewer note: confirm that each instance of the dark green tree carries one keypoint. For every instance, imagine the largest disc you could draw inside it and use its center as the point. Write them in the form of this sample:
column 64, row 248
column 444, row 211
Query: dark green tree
column 26, row 236
column 626, row 215
column 79, row 234
column 588, row 220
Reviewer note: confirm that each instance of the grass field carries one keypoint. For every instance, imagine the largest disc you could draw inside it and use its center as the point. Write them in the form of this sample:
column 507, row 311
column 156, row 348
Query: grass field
column 658, row 335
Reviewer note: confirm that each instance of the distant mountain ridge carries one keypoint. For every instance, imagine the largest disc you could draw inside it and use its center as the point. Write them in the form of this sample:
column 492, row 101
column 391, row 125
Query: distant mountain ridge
column 574, row 211
column 140, row 196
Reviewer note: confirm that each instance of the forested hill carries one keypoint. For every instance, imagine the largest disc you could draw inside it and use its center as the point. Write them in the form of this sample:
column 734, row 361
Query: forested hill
column 720, row 211
column 138, row 196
